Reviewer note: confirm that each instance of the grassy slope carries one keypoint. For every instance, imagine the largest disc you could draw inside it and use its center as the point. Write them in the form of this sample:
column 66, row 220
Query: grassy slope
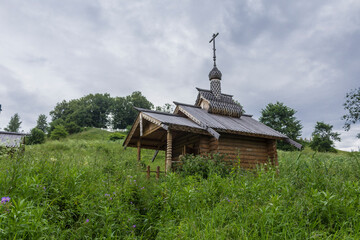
column 57, row 186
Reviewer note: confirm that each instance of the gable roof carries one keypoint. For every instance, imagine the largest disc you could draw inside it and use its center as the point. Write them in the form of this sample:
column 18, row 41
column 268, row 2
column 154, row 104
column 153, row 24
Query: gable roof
column 11, row 139
column 194, row 119
column 168, row 118
column 244, row 125
column 225, row 105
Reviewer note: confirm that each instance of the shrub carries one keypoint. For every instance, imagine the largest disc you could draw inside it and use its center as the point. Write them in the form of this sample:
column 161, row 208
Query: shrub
column 203, row 165
column 72, row 127
column 116, row 136
column 59, row 132
column 36, row 136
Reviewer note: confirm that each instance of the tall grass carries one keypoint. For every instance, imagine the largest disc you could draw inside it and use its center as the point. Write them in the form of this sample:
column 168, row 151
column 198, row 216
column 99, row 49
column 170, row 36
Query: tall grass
column 87, row 189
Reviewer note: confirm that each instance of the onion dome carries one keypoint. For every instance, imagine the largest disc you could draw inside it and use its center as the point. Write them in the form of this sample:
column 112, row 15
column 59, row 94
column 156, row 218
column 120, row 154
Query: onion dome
column 215, row 73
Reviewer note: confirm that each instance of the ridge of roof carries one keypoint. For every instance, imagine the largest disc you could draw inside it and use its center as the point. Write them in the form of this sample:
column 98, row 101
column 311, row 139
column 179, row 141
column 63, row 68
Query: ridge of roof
column 206, row 90
column 153, row 111
column 185, row 104
column 12, row 133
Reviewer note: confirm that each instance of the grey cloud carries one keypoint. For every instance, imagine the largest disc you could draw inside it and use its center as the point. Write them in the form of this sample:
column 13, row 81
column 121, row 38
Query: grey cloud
column 304, row 54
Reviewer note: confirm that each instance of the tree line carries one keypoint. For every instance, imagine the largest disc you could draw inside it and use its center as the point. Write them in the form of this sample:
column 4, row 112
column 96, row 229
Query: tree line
column 102, row 111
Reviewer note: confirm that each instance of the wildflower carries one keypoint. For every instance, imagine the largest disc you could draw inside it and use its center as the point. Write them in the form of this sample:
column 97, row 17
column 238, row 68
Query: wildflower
column 142, row 187
column 134, row 180
column 134, row 226
column 5, row 199
column 44, row 188
column 87, row 220
column 107, row 195
column 111, row 198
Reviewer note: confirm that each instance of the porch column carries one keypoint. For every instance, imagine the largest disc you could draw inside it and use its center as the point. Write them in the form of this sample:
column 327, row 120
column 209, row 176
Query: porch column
column 138, row 151
column 169, row 151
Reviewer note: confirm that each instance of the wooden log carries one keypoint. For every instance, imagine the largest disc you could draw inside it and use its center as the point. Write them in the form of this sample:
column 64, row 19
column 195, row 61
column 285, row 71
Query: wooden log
column 157, row 172
column 169, row 151
column 138, row 151
column 148, row 172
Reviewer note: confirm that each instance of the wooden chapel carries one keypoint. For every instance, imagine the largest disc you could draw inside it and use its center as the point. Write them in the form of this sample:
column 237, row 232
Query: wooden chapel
column 214, row 124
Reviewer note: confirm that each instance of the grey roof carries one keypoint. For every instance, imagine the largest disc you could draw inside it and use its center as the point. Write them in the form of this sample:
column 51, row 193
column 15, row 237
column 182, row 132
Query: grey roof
column 225, row 105
column 201, row 119
column 11, row 139
column 245, row 124
column 169, row 118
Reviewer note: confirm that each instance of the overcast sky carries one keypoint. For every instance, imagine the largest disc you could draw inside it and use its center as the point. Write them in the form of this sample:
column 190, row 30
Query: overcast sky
column 305, row 54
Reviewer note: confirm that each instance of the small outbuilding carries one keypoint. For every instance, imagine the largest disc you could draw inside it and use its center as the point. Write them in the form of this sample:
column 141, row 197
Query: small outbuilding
column 11, row 139
column 214, row 124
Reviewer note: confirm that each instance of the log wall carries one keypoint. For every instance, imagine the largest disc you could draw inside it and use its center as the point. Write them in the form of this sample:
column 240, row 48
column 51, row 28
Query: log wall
column 249, row 151
column 246, row 150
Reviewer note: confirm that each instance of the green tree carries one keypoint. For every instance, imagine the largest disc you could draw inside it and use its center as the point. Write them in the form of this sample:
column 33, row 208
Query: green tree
column 59, row 132
column 37, row 136
column 168, row 107
column 282, row 119
column 123, row 110
column 89, row 111
column 41, row 123
column 352, row 105
column 14, row 124
column 324, row 137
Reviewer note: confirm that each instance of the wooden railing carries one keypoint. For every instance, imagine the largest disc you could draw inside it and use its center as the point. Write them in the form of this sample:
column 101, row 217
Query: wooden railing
column 148, row 171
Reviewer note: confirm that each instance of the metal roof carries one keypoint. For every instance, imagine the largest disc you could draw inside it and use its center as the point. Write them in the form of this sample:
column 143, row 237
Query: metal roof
column 173, row 119
column 11, row 139
column 199, row 118
column 244, row 124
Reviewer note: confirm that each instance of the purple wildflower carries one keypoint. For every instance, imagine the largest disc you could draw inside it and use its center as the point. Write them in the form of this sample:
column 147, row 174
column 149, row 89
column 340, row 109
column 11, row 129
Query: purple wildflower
column 44, row 188
column 87, row 220
column 111, row 198
column 134, row 226
column 142, row 187
column 5, row 199
column 107, row 195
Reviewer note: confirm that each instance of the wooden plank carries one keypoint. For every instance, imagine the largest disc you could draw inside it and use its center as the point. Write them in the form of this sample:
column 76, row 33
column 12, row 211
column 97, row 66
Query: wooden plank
column 150, row 128
column 155, row 154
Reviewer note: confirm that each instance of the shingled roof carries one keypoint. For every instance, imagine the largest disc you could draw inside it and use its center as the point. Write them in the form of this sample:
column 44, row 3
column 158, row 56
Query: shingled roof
column 224, row 105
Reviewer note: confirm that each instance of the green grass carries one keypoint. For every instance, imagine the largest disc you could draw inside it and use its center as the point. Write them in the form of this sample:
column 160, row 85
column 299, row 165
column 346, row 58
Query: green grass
column 55, row 187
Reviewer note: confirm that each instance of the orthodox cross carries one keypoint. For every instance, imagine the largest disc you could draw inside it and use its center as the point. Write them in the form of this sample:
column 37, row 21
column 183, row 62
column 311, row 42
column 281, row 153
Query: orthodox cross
column 214, row 49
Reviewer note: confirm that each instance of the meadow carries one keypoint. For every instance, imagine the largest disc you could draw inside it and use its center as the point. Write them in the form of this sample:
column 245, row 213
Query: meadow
column 87, row 187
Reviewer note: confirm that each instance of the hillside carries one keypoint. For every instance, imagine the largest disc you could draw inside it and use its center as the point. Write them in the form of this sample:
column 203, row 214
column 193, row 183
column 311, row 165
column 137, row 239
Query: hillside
column 86, row 187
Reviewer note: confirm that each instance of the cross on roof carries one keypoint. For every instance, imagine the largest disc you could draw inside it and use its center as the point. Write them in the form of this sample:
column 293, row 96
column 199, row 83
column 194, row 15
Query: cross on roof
column 214, row 49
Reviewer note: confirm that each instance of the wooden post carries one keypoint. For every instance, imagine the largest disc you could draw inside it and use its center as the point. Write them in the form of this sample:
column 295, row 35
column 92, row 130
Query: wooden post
column 138, row 151
column 169, row 151
column 157, row 172
column 148, row 172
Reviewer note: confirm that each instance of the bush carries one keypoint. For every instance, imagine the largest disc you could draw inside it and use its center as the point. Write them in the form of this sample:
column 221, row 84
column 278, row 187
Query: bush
column 36, row 136
column 203, row 165
column 116, row 136
column 72, row 127
column 59, row 132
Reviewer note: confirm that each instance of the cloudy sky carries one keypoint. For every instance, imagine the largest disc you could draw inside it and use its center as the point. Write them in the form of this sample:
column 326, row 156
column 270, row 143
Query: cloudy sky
column 303, row 53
